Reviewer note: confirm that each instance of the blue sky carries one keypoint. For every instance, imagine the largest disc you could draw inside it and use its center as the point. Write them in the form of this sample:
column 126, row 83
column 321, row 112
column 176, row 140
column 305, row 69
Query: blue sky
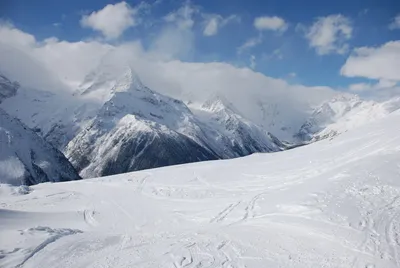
column 281, row 54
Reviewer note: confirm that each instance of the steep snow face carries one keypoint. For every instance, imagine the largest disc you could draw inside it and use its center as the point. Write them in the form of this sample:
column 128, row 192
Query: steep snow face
column 137, row 129
column 334, row 203
column 25, row 158
column 132, row 144
column 343, row 113
column 230, row 134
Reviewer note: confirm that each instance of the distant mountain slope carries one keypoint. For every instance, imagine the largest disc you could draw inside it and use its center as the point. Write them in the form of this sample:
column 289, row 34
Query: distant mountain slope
column 7, row 88
column 56, row 116
column 230, row 134
column 138, row 128
column 112, row 123
column 25, row 158
column 343, row 113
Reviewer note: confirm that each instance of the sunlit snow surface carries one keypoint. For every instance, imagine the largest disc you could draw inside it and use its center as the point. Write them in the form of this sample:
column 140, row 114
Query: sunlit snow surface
column 334, row 203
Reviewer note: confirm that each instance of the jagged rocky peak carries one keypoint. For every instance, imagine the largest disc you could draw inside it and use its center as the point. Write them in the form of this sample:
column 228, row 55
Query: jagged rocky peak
column 7, row 87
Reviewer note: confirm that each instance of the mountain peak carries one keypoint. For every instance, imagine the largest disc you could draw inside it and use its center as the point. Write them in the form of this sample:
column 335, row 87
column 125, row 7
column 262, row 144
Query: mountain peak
column 107, row 79
column 217, row 103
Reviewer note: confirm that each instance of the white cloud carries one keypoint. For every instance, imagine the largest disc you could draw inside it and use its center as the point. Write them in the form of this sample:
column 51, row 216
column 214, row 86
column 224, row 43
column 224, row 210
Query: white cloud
column 173, row 43
column 212, row 25
column 330, row 34
column 261, row 24
column 176, row 39
column 214, row 22
column 252, row 42
column 381, row 63
column 395, row 23
column 184, row 16
column 253, row 63
column 359, row 87
column 277, row 54
column 15, row 37
column 381, row 90
column 37, row 62
column 112, row 20
column 270, row 23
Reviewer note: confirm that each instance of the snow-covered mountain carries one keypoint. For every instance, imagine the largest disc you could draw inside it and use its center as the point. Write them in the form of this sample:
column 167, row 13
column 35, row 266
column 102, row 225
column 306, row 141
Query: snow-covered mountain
column 7, row 88
column 112, row 117
column 229, row 133
column 334, row 203
column 57, row 116
column 25, row 158
column 343, row 113
column 138, row 128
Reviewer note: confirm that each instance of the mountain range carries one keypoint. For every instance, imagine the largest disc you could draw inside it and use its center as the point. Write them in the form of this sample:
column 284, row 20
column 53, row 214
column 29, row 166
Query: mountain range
column 113, row 123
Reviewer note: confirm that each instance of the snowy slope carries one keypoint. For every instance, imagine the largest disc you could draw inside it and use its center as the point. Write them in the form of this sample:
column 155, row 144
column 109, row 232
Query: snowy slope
column 229, row 133
column 334, row 203
column 342, row 113
column 25, row 158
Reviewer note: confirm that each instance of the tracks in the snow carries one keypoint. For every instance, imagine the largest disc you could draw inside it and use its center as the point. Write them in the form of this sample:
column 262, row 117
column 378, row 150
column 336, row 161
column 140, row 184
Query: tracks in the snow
column 88, row 217
column 225, row 212
column 55, row 234
column 392, row 236
column 385, row 220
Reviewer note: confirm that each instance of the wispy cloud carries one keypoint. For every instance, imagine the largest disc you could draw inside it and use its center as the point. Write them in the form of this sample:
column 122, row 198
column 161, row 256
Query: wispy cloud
column 214, row 22
column 252, row 42
column 329, row 35
column 395, row 23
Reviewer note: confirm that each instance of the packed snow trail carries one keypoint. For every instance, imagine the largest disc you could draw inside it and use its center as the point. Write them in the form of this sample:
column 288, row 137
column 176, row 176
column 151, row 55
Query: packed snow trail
column 335, row 203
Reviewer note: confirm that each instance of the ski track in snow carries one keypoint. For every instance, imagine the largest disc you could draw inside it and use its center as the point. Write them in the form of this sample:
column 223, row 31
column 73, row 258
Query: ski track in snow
column 335, row 203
